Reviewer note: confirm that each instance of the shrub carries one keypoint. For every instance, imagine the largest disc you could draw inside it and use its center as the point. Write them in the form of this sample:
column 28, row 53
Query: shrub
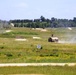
column 2, row 47
column 8, row 54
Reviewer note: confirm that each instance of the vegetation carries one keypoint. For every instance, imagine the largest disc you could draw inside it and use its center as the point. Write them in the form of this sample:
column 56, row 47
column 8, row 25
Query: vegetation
column 12, row 51
column 45, row 70
column 42, row 22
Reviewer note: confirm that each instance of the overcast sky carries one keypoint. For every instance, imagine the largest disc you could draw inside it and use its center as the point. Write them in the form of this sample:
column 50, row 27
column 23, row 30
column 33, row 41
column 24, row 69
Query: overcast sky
column 33, row 9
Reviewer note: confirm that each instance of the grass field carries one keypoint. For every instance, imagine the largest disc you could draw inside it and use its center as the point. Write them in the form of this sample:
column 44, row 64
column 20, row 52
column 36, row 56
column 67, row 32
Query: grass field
column 44, row 70
column 12, row 51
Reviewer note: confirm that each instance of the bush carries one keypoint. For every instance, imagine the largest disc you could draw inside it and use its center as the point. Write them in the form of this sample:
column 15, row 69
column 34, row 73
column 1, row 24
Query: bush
column 9, row 55
column 2, row 47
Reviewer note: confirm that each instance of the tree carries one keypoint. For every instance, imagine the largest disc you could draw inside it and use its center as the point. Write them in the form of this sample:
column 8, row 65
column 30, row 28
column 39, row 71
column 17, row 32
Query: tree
column 42, row 18
column 74, row 19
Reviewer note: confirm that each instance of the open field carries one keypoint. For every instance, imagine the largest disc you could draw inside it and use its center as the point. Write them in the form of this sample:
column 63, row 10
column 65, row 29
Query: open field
column 18, row 46
column 38, row 70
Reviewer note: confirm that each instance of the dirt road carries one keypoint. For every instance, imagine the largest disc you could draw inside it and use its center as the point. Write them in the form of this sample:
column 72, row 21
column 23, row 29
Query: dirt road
column 36, row 64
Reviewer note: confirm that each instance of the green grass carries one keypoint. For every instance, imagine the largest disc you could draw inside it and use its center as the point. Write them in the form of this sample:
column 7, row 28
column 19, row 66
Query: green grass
column 26, row 51
column 46, row 70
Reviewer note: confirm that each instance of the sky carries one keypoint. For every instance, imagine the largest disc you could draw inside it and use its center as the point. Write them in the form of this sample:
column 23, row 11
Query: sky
column 33, row 9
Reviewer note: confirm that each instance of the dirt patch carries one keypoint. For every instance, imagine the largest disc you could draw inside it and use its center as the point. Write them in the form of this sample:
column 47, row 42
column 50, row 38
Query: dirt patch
column 44, row 30
column 21, row 40
column 40, row 29
column 8, row 31
column 36, row 38
column 69, row 28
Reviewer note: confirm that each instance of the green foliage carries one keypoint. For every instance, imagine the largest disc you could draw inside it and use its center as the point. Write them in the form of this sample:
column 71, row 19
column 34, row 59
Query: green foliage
column 44, row 23
column 8, row 54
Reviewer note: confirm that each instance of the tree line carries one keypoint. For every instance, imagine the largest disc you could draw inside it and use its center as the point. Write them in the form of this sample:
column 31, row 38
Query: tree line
column 43, row 22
